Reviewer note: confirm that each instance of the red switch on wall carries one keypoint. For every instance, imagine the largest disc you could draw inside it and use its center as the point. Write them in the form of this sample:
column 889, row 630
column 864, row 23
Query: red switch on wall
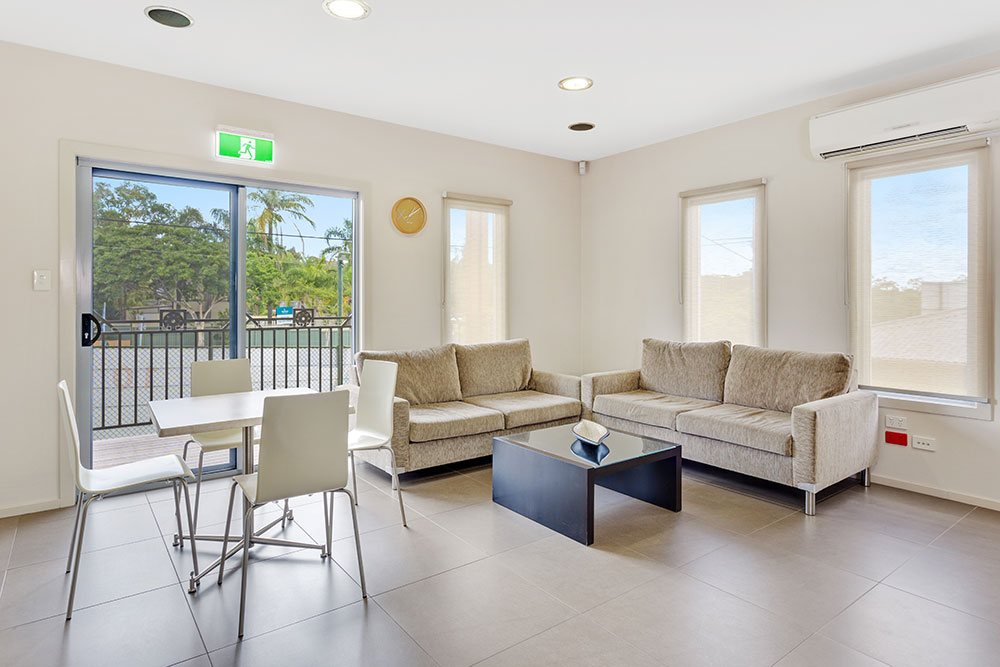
column 895, row 438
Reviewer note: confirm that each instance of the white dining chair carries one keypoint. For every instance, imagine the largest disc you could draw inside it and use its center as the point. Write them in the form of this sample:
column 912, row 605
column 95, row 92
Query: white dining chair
column 208, row 378
column 373, row 425
column 303, row 450
column 93, row 484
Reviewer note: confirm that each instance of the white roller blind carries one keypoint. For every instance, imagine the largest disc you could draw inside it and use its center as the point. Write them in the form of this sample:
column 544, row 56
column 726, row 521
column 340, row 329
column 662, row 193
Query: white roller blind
column 919, row 274
column 723, row 259
column 475, row 283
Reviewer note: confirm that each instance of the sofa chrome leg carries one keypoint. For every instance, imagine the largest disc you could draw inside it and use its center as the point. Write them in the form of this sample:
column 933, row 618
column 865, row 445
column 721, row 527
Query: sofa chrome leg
column 810, row 508
column 866, row 477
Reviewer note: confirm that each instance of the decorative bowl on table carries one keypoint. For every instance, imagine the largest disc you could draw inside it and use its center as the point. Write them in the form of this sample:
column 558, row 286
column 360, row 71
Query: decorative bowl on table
column 589, row 444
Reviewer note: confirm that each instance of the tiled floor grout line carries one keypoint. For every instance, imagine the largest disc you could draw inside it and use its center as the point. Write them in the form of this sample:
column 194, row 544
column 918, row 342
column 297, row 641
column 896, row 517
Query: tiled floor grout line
column 943, row 604
column 404, row 631
column 923, row 548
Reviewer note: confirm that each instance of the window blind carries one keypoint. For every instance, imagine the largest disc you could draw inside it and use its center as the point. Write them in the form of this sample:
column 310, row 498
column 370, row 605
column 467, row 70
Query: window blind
column 919, row 277
column 475, row 275
column 723, row 255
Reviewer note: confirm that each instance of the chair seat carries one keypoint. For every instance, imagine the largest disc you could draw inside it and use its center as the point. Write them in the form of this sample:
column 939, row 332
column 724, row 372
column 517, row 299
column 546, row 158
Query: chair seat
column 158, row 469
column 359, row 439
column 248, row 484
column 215, row 441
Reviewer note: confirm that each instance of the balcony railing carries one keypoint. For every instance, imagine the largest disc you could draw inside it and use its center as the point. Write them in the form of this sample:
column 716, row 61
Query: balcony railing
column 137, row 361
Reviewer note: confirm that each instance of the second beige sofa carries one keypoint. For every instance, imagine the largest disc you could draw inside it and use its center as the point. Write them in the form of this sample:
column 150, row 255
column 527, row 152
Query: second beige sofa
column 789, row 417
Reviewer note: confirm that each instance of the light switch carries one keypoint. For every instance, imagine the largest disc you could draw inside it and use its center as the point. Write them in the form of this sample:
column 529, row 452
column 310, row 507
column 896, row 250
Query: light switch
column 42, row 280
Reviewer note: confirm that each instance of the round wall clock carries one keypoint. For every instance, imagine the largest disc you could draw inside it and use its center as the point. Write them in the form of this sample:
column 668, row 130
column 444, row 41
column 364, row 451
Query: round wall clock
column 409, row 215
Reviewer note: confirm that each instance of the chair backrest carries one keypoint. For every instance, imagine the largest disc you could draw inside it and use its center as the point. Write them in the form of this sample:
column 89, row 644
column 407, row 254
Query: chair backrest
column 222, row 376
column 378, row 388
column 303, row 445
column 72, row 432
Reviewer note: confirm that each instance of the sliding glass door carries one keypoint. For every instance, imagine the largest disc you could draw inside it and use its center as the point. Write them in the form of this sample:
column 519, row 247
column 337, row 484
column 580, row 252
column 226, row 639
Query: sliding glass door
column 177, row 270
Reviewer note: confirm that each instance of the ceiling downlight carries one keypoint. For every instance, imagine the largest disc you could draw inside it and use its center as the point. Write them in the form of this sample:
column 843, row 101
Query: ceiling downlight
column 576, row 83
column 168, row 16
column 582, row 127
column 349, row 10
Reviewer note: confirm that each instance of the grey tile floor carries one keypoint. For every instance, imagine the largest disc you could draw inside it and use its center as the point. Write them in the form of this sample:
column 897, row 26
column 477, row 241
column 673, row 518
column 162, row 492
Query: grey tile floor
column 879, row 577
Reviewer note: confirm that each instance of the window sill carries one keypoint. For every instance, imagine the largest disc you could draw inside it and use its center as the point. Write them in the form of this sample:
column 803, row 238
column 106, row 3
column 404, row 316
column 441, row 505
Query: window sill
column 934, row 405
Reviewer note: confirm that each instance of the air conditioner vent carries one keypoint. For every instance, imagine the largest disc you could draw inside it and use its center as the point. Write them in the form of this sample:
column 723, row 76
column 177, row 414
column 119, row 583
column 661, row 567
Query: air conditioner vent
column 896, row 143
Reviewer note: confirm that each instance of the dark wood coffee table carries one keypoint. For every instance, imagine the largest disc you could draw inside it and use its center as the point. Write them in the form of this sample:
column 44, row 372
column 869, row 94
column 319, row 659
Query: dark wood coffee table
column 548, row 475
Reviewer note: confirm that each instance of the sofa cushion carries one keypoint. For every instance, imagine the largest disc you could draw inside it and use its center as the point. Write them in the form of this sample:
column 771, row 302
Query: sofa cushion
column 428, row 375
column 781, row 379
column 494, row 368
column 768, row 430
column 697, row 370
column 647, row 407
column 433, row 421
column 524, row 408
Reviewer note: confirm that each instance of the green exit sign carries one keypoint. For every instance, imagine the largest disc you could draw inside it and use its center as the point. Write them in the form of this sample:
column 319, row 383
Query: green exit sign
column 241, row 145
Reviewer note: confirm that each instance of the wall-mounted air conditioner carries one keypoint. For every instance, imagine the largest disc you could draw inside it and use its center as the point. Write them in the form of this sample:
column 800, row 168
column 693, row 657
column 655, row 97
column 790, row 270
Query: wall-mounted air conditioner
column 969, row 105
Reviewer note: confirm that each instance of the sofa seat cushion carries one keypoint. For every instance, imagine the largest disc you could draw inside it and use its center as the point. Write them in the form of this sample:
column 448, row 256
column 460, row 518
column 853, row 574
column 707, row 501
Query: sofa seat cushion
column 767, row 430
column 494, row 368
column 427, row 375
column 648, row 407
column 524, row 408
column 434, row 421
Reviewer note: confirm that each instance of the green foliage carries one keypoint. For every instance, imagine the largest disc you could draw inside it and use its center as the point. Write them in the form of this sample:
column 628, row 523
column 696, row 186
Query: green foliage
column 147, row 254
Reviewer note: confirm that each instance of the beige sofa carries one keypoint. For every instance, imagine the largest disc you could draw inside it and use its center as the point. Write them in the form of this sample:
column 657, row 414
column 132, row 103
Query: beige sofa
column 794, row 418
column 452, row 400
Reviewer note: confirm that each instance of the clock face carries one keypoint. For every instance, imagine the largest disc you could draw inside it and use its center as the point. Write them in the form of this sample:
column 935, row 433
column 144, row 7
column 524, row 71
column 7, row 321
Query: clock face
column 409, row 215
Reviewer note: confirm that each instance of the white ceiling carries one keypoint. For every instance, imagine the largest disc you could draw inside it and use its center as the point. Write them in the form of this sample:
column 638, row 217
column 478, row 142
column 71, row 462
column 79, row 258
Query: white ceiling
column 488, row 70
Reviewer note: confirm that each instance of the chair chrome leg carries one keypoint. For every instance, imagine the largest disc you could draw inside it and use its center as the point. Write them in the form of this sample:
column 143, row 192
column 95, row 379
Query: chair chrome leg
column 286, row 515
column 76, row 527
column 247, row 531
column 225, row 534
column 327, row 509
column 357, row 543
column 185, row 455
column 395, row 483
column 191, row 525
column 197, row 490
column 76, row 562
column 354, row 476
column 179, row 537
column 810, row 503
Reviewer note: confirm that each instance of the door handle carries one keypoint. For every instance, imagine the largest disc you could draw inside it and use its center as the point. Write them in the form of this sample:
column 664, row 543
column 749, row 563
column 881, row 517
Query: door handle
column 90, row 329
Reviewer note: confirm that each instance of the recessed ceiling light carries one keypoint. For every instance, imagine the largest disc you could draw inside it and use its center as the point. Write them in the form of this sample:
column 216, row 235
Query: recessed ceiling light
column 576, row 83
column 352, row 10
column 581, row 127
column 168, row 16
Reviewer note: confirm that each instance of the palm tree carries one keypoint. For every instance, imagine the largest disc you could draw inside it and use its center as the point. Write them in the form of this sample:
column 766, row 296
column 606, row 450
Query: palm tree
column 274, row 204
column 340, row 238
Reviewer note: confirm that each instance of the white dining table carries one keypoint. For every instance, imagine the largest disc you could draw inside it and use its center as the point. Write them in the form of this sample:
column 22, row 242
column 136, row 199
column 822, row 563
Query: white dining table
column 202, row 414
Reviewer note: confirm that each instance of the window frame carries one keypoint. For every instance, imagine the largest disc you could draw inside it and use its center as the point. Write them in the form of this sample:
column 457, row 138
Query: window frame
column 690, row 251
column 859, row 262
column 500, row 207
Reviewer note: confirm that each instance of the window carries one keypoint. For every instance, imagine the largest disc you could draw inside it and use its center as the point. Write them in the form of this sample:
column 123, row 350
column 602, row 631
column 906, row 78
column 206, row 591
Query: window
column 920, row 313
column 724, row 281
column 475, row 275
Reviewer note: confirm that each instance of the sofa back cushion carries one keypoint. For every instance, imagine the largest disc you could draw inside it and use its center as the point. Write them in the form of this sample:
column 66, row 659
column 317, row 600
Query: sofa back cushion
column 781, row 379
column 494, row 368
column 428, row 375
column 694, row 370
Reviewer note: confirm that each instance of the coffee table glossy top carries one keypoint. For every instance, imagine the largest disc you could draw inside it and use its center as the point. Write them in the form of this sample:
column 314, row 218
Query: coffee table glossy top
column 560, row 442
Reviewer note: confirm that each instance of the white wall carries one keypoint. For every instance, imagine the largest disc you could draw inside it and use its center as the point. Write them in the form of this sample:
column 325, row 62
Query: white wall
column 630, row 282
column 47, row 97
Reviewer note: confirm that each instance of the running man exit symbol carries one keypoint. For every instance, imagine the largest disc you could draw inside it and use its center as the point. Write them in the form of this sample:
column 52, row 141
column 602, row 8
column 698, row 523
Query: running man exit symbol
column 244, row 145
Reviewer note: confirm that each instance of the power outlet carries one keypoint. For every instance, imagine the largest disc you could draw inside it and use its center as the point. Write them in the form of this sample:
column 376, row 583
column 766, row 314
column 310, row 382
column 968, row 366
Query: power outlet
column 895, row 421
column 925, row 443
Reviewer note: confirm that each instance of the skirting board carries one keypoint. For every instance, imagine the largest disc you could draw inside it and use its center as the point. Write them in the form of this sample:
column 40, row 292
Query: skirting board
column 18, row 510
column 937, row 493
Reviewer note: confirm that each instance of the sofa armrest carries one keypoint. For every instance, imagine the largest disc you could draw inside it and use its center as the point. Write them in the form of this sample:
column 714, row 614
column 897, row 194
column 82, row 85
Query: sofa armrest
column 834, row 438
column 401, row 431
column 555, row 383
column 593, row 385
